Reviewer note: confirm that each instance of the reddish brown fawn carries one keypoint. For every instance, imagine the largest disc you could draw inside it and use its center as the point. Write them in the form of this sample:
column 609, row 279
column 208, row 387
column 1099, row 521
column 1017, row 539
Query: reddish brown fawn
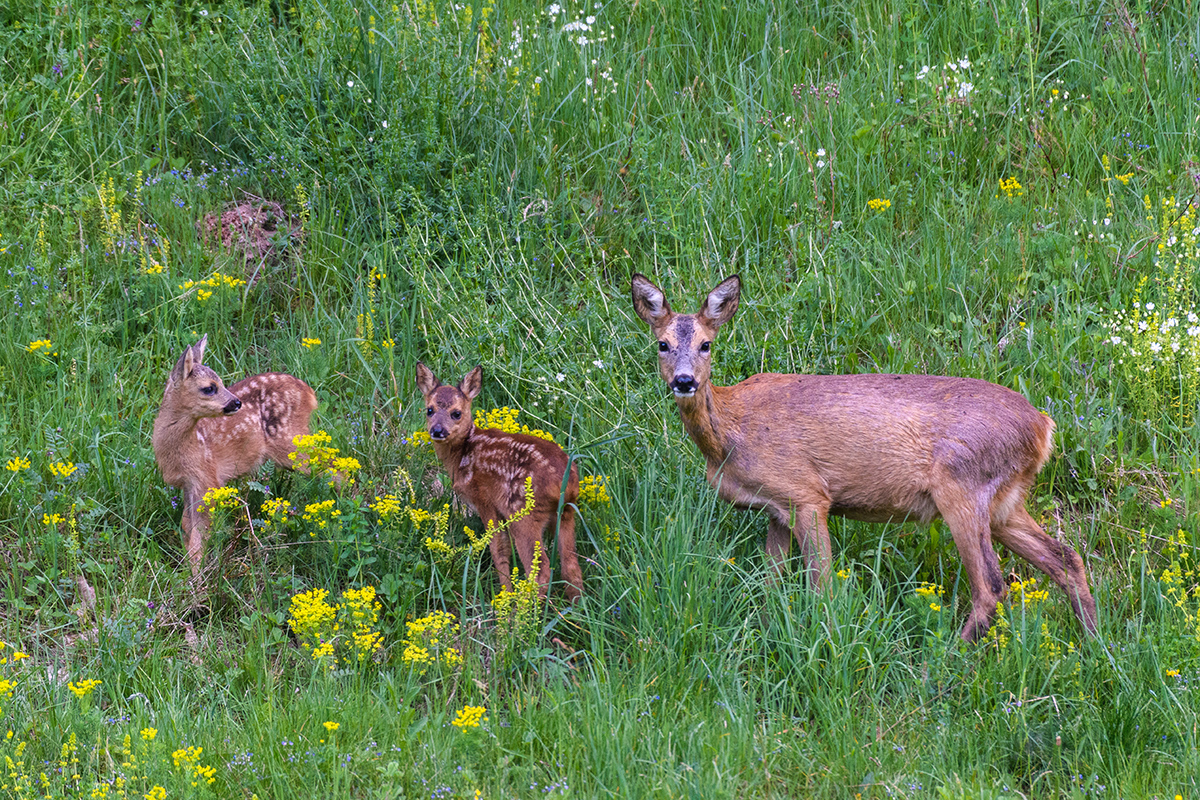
column 206, row 435
column 875, row 448
column 488, row 470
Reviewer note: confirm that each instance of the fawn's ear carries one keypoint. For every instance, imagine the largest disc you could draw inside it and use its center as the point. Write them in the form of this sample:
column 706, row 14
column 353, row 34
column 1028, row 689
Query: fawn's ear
column 187, row 362
column 649, row 302
column 472, row 383
column 721, row 302
column 426, row 382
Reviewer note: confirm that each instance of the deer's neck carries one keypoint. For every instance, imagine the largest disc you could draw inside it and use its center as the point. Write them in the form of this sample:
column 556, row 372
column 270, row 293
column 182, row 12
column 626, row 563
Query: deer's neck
column 175, row 441
column 702, row 414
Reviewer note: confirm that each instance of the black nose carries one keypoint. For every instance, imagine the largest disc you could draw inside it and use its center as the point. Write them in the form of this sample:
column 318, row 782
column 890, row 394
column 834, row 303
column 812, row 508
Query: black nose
column 684, row 384
column 437, row 432
column 232, row 406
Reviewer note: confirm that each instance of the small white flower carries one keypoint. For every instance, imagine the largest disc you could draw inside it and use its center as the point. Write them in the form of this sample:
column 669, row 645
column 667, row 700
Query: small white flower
column 590, row 20
column 577, row 25
column 560, row 377
column 1115, row 340
column 385, row 123
column 599, row 363
column 965, row 89
column 820, row 152
column 1155, row 347
column 1149, row 306
column 204, row 12
column 962, row 62
column 924, row 71
column 349, row 84
column 1108, row 221
column 820, row 165
column 553, row 10
column 1143, row 327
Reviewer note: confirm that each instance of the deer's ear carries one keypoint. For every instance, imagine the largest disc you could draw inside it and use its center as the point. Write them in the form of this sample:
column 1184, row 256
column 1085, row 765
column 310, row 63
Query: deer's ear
column 426, row 381
column 722, row 302
column 472, row 383
column 198, row 349
column 649, row 303
column 187, row 362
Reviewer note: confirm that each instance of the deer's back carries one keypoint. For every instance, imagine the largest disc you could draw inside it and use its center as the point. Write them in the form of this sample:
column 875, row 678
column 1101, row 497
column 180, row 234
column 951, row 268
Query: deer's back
column 275, row 409
column 876, row 444
column 495, row 464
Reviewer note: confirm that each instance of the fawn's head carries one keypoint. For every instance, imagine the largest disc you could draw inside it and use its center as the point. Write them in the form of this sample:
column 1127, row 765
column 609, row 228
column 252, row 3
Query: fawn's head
column 197, row 390
column 685, row 340
column 448, row 408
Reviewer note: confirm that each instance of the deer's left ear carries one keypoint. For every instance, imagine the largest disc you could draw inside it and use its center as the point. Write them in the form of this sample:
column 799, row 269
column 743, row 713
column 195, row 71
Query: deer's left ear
column 426, row 381
column 472, row 383
column 722, row 302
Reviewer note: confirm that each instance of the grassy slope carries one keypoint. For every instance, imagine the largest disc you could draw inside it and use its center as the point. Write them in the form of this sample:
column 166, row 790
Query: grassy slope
column 514, row 187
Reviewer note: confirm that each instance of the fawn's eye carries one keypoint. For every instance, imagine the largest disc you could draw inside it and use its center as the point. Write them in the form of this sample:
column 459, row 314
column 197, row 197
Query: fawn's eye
column 663, row 347
column 429, row 411
column 456, row 415
column 705, row 347
column 209, row 391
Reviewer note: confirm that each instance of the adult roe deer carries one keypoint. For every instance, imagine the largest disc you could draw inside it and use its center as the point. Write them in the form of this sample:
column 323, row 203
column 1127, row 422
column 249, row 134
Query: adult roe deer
column 488, row 469
column 867, row 447
column 206, row 435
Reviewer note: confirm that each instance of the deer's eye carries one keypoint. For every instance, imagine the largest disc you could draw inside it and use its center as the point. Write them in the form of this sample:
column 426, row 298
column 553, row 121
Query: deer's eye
column 209, row 391
column 663, row 347
column 429, row 411
column 705, row 347
column 456, row 414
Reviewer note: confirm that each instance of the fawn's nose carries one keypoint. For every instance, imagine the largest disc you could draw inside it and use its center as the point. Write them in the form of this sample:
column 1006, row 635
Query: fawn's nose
column 683, row 384
column 437, row 432
column 232, row 406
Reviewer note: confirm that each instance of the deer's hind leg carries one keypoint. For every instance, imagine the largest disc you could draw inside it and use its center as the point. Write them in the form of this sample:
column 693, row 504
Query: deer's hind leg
column 1061, row 563
column 527, row 535
column 568, row 558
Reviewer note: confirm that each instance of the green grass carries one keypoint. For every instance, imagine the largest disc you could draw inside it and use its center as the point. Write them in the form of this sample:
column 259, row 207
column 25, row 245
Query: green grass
column 475, row 186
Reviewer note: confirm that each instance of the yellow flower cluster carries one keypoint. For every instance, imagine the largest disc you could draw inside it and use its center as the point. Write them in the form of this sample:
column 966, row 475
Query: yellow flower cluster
column 879, row 205
column 276, row 511
column 205, row 288
column 319, row 626
column 310, row 342
column 313, row 452
column 517, row 610
column 1011, row 187
column 998, row 635
column 51, row 520
column 389, row 505
column 39, row 344
column 419, row 438
column 428, row 642
column 220, row 497
column 320, row 514
column 594, row 489
column 148, row 734
column 62, row 469
column 505, row 419
column 156, row 792
column 1027, row 592
column 933, row 593
column 83, row 688
column 469, row 717
column 16, row 656
column 331, row 726
column 17, row 464
column 186, row 758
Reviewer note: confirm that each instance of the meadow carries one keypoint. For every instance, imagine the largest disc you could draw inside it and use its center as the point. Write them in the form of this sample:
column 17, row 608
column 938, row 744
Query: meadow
column 1003, row 190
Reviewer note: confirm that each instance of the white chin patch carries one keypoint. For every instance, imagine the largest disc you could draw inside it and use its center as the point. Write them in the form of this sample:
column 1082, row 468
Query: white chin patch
column 678, row 393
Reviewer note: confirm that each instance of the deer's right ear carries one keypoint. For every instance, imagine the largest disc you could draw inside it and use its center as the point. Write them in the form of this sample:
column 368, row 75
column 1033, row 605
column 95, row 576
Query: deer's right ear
column 649, row 302
column 198, row 349
column 472, row 383
column 426, row 382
